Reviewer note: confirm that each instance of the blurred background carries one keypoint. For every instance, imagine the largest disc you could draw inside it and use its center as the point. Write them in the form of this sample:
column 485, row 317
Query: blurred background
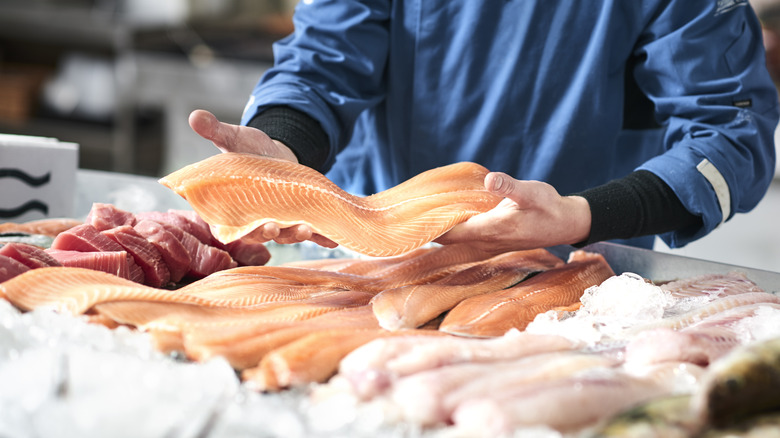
column 120, row 77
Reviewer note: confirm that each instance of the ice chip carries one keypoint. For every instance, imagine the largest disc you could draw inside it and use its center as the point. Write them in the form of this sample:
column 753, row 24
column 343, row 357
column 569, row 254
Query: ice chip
column 628, row 296
column 763, row 325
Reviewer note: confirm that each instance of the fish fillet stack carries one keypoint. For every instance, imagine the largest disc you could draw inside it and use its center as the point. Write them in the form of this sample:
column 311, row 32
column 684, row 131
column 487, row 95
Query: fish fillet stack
column 557, row 377
column 268, row 320
column 441, row 337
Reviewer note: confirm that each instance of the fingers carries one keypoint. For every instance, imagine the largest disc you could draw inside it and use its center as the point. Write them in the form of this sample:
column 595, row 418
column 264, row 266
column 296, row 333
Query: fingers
column 224, row 136
column 203, row 123
column 524, row 193
column 294, row 234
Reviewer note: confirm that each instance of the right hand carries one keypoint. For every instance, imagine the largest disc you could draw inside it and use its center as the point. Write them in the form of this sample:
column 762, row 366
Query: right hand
column 243, row 139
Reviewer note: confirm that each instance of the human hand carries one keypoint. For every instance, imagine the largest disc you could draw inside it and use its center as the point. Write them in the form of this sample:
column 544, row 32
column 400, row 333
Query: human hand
column 531, row 215
column 234, row 138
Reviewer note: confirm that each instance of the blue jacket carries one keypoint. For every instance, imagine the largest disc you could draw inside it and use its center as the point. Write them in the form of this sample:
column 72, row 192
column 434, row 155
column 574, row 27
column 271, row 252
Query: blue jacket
column 571, row 92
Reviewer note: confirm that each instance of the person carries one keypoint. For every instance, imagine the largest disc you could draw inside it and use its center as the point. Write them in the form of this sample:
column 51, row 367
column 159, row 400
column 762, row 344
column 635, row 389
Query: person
column 599, row 120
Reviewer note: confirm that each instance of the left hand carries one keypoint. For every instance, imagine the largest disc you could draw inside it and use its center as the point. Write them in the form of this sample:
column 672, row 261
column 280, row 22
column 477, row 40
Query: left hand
column 234, row 138
column 531, row 215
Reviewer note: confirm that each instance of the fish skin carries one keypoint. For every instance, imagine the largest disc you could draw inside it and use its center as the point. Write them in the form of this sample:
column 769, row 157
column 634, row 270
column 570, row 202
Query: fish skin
column 668, row 417
column 492, row 314
column 413, row 305
column 739, row 385
column 388, row 223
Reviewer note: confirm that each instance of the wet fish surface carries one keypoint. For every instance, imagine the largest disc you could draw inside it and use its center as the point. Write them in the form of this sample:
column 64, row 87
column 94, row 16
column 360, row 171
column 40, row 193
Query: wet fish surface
column 235, row 193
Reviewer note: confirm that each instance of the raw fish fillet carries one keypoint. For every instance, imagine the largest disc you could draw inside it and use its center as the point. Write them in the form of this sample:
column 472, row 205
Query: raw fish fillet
column 87, row 238
column 176, row 257
column 700, row 343
column 414, row 305
column 9, row 268
column 249, row 351
column 29, row 255
column 494, row 313
column 715, row 285
column 235, row 193
column 76, row 290
column 700, row 346
column 430, row 397
column 698, row 314
column 46, row 227
column 371, row 368
column 106, row 216
column 567, row 404
column 145, row 254
column 181, row 315
column 112, row 262
column 313, row 358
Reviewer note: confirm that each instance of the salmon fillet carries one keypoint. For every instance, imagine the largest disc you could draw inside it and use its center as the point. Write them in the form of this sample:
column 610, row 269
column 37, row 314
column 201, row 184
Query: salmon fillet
column 495, row 313
column 235, row 193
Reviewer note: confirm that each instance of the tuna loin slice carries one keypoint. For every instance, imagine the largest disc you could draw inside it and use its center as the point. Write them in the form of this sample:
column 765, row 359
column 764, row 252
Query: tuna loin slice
column 175, row 255
column 113, row 262
column 87, row 238
column 10, row 268
column 29, row 255
column 146, row 255
column 106, row 216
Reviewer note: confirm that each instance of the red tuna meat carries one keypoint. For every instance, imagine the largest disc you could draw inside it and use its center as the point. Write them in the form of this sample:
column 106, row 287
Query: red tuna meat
column 10, row 268
column 175, row 255
column 107, row 216
column 29, row 255
column 87, row 238
column 113, row 262
column 146, row 255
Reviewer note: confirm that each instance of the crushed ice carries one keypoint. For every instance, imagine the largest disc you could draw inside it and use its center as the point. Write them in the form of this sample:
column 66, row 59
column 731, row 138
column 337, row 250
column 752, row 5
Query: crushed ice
column 620, row 302
column 61, row 376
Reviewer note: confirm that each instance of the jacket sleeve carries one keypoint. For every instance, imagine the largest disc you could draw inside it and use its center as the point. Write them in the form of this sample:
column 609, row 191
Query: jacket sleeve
column 704, row 69
column 331, row 68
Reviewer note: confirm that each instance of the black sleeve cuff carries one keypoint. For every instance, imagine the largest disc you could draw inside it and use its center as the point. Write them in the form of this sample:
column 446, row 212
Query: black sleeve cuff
column 640, row 204
column 298, row 131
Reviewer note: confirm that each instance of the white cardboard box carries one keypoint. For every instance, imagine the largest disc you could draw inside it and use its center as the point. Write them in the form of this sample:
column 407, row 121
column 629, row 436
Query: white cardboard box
column 37, row 178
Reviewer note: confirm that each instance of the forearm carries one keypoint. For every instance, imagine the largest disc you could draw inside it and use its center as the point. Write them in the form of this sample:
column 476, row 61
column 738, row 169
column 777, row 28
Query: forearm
column 299, row 132
column 639, row 204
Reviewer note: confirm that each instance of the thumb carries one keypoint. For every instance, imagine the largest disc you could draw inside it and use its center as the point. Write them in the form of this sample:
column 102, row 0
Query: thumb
column 520, row 192
column 204, row 124
column 499, row 183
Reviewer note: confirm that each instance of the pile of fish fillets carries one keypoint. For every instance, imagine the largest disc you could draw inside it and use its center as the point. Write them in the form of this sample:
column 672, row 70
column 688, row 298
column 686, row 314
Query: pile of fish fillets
column 697, row 357
column 450, row 338
column 158, row 249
